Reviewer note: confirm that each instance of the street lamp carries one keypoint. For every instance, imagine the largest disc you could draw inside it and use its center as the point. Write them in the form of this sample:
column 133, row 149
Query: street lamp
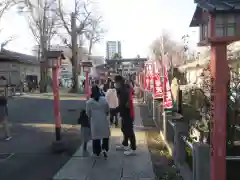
column 54, row 62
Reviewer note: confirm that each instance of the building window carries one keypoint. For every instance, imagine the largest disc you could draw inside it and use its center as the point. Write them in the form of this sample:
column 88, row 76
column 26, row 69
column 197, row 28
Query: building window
column 225, row 25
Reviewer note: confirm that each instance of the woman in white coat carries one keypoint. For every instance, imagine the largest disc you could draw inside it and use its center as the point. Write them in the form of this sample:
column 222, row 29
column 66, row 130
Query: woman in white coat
column 97, row 110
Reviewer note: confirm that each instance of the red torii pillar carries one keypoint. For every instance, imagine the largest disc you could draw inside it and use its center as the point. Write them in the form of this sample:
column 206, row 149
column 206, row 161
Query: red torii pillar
column 220, row 77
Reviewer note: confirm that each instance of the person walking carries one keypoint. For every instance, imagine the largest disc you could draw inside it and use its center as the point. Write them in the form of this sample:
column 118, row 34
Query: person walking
column 127, row 115
column 97, row 110
column 4, row 117
column 112, row 99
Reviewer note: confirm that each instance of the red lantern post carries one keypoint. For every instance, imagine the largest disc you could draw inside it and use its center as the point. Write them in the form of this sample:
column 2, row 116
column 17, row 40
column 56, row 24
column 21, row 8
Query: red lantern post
column 54, row 61
column 218, row 28
column 87, row 68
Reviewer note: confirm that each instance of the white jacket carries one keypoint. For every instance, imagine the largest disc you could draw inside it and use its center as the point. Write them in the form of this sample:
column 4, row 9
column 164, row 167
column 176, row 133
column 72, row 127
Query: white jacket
column 112, row 99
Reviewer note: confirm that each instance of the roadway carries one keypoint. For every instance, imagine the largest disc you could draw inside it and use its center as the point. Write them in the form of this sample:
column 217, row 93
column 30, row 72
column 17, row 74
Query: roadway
column 29, row 156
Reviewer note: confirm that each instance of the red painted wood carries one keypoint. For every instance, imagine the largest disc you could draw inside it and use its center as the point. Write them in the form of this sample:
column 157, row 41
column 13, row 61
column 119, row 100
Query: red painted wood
column 56, row 97
column 220, row 75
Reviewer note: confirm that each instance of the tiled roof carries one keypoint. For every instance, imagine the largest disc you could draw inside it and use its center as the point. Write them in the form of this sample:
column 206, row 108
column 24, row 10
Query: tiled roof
column 218, row 5
column 15, row 56
column 213, row 6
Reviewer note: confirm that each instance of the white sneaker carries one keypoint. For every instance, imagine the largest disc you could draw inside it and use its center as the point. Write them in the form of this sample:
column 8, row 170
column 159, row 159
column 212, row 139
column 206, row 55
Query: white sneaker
column 130, row 152
column 105, row 153
column 8, row 138
column 95, row 156
column 122, row 148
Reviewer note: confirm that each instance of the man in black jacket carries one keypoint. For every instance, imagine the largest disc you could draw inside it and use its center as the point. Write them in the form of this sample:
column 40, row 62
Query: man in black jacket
column 124, row 109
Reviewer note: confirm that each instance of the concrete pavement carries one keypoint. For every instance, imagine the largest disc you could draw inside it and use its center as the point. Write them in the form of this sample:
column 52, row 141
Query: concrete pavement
column 117, row 166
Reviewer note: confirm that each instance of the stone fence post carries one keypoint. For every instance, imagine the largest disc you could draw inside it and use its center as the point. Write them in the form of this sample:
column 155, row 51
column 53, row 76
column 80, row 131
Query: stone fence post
column 179, row 150
column 201, row 161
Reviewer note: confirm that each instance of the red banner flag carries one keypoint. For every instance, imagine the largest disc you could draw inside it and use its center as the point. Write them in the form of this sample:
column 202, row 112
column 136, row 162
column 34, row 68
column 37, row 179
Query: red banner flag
column 149, row 76
column 157, row 91
column 167, row 100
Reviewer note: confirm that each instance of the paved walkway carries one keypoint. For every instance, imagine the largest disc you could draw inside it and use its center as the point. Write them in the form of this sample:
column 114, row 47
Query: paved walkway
column 116, row 167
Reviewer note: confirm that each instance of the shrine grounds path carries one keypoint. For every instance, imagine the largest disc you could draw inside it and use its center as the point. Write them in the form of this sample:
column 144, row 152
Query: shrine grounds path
column 116, row 166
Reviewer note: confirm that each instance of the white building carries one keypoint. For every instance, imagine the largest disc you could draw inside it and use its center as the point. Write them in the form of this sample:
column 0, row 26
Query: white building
column 113, row 47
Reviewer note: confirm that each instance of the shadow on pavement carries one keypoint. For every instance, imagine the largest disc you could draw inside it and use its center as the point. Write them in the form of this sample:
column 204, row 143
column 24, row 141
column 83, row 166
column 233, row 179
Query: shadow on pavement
column 31, row 150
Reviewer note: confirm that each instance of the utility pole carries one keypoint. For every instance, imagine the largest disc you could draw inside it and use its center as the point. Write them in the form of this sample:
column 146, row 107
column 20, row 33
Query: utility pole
column 74, row 51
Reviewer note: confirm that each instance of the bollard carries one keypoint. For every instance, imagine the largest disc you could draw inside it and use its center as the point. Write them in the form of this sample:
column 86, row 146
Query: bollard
column 153, row 110
column 179, row 149
column 144, row 97
column 201, row 161
column 179, row 102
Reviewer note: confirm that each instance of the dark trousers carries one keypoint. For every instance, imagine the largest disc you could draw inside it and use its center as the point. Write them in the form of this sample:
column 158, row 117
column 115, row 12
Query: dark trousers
column 99, row 145
column 85, row 146
column 113, row 115
column 128, row 132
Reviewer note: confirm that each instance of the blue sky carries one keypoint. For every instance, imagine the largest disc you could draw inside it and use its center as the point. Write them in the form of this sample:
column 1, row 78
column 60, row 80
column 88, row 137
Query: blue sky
column 136, row 23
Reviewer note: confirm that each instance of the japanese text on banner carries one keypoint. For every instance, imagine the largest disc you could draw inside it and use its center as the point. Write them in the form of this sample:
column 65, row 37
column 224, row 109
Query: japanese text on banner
column 158, row 91
column 168, row 104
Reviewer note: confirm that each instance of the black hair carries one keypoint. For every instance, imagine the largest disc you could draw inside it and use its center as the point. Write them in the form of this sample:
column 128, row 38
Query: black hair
column 119, row 79
column 83, row 113
column 95, row 93
column 112, row 85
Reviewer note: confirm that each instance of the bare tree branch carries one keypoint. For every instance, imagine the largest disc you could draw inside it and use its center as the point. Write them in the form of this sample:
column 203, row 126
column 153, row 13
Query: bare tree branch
column 6, row 42
column 42, row 21
column 65, row 41
column 163, row 46
column 61, row 14
column 94, row 32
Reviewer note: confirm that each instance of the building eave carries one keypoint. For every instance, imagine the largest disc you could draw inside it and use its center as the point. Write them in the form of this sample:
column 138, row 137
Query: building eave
column 196, row 19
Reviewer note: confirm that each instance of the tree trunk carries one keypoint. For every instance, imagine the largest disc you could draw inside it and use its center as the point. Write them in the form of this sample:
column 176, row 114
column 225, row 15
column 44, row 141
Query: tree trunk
column 43, row 46
column 43, row 71
column 90, row 48
column 74, row 54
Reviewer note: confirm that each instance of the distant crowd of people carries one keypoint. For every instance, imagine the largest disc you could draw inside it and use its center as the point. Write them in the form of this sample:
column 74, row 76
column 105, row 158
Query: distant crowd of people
column 108, row 101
